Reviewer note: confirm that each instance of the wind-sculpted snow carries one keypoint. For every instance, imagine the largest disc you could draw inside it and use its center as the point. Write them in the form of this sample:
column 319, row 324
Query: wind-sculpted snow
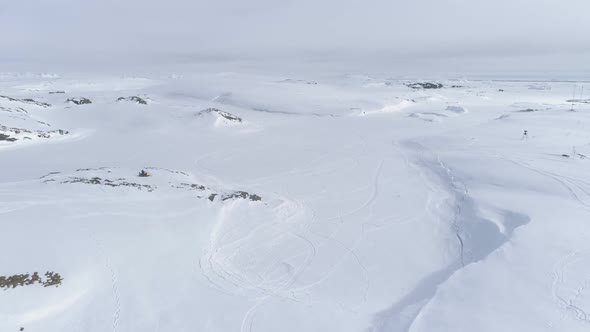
column 349, row 203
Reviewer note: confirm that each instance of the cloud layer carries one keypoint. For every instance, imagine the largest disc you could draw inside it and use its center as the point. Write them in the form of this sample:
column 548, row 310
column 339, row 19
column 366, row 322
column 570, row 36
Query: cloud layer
column 393, row 28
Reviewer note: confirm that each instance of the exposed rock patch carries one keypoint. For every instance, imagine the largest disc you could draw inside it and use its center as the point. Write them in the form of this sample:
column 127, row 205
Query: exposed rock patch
column 161, row 179
column 7, row 138
column 236, row 195
column 290, row 80
column 225, row 115
column 19, row 280
column 582, row 101
column 110, row 183
column 48, row 175
column 79, row 101
column 190, row 186
column 27, row 101
column 424, row 85
column 134, row 99
column 242, row 195
column 14, row 134
column 13, row 110
column 93, row 169
column 167, row 170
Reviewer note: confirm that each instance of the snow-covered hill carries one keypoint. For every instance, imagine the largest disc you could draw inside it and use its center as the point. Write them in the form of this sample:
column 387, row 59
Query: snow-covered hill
column 340, row 203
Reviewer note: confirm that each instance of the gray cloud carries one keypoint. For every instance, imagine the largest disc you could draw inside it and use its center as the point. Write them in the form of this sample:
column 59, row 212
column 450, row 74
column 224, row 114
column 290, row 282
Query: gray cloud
column 402, row 29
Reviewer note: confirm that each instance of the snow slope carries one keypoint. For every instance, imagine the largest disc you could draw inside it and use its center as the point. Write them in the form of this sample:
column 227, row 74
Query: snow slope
column 340, row 203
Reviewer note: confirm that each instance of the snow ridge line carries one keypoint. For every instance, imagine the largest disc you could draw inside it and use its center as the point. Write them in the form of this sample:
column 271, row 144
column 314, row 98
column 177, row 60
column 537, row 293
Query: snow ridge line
column 426, row 162
column 464, row 210
column 458, row 207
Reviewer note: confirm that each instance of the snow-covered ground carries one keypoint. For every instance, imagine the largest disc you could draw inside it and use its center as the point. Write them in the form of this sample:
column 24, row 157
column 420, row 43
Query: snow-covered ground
column 336, row 203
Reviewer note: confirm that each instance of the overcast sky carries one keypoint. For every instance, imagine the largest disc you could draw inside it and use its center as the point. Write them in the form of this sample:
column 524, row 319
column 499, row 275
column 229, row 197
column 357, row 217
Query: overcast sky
column 408, row 28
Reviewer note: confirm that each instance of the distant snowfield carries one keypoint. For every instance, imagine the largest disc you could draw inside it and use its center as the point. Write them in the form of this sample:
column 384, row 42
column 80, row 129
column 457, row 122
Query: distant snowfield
column 341, row 203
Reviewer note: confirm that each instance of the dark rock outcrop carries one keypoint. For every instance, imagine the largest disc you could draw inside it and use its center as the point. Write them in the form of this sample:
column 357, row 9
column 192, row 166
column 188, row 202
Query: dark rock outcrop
column 79, row 101
column 424, row 85
column 19, row 280
column 225, row 115
column 134, row 99
column 582, row 101
column 102, row 177
column 236, row 195
column 27, row 101
column 7, row 138
column 191, row 186
column 529, row 110
column 13, row 110
column 111, row 183
column 38, row 133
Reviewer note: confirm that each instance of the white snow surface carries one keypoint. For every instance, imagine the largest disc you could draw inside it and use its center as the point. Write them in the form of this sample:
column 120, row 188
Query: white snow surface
column 382, row 208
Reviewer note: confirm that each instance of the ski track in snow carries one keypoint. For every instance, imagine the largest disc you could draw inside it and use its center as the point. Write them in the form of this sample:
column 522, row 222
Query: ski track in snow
column 224, row 273
column 280, row 290
column 220, row 272
column 567, row 304
column 114, row 281
column 565, row 182
column 561, row 265
column 247, row 322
